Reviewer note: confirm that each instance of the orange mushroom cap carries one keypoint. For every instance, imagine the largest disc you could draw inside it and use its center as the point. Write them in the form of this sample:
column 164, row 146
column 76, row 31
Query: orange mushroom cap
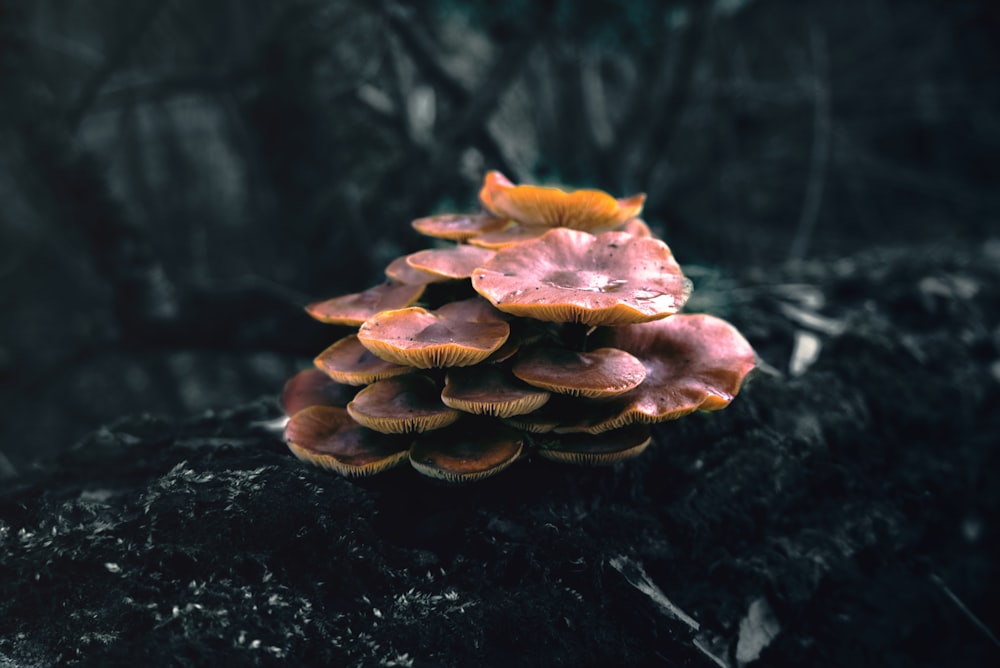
column 490, row 391
column 350, row 363
column 607, row 448
column 456, row 262
column 401, row 405
column 600, row 373
column 311, row 387
column 591, row 210
column 458, row 226
column 451, row 336
column 327, row 436
column 693, row 362
column 354, row 309
column 612, row 278
column 469, row 450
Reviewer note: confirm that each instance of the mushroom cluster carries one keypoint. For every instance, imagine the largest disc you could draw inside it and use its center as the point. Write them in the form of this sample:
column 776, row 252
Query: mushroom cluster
column 546, row 325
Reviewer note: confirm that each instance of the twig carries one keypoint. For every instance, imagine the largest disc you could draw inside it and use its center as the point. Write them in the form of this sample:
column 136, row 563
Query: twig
column 820, row 146
column 971, row 616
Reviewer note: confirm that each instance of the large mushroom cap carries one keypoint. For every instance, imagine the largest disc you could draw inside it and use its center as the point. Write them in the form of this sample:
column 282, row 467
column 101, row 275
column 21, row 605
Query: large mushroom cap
column 354, row 309
column 490, row 391
column 466, row 451
column 566, row 275
column 458, row 226
column 311, row 387
column 350, row 363
column 693, row 362
column 604, row 372
column 401, row 405
column 327, row 436
column 446, row 338
column 591, row 210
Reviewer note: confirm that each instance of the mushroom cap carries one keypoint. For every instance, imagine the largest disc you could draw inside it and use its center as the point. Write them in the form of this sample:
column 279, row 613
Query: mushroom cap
column 511, row 236
column 399, row 270
column 600, row 373
column 447, row 337
column 466, row 451
column 350, row 363
column 637, row 227
column 354, row 309
column 456, row 262
column 566, row 275
column 490, row 391
column 401, row 405
column 693, row 362
column 607, row 448
column 458, row 226
column 312, row 387
column 327, row 436
column 591, row 210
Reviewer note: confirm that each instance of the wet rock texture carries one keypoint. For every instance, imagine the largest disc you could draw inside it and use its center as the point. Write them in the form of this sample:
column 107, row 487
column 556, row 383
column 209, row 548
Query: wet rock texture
column 843, row 511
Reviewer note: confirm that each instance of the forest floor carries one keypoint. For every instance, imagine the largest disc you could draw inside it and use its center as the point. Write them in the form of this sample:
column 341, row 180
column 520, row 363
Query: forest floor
column 843, row 511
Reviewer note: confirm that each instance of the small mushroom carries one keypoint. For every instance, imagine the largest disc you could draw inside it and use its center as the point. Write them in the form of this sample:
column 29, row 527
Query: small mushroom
column 590, row 210
column 454, row 335
column 456, row 262
column 400, row 271
column 354, row 309
column 606, row 448
column 349, row 362
column 612, row 278
column 401, row 405
column 693, row 362
column 516, row 234
column 596, row 374
column 311, row 387
column 327, row 436
column 467, row 451
column 458, row 226
column 637, row 228
column 490, row 391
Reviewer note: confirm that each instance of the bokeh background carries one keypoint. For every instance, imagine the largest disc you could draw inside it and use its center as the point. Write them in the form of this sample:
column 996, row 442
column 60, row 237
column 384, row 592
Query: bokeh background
column 178, row 177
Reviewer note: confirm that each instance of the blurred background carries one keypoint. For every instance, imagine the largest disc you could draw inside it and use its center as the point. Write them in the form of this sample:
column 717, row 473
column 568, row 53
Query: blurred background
column 178, row 177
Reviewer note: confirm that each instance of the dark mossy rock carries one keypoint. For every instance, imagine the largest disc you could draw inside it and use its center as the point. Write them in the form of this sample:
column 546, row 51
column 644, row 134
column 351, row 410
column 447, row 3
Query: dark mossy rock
column 843, row 514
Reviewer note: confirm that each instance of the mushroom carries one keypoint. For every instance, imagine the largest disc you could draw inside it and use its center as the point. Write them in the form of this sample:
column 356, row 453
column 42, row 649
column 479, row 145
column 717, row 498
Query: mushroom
column 591, row 210
column 350, row 363
column 454, row 335
column 490, row 391
column 354, row 309
column 451, row 263
column 327, row 436
column 401, row 405
column 516, row 234
column 566, row 275
column 311, row 387
column 693, row 362
column 400, row 271
column 458, row 226
column 607, row 448
column 469, row 450
column 600, row 373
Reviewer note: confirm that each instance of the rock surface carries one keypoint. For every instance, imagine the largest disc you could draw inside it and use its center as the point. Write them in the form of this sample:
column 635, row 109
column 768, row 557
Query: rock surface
column 843, row 511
